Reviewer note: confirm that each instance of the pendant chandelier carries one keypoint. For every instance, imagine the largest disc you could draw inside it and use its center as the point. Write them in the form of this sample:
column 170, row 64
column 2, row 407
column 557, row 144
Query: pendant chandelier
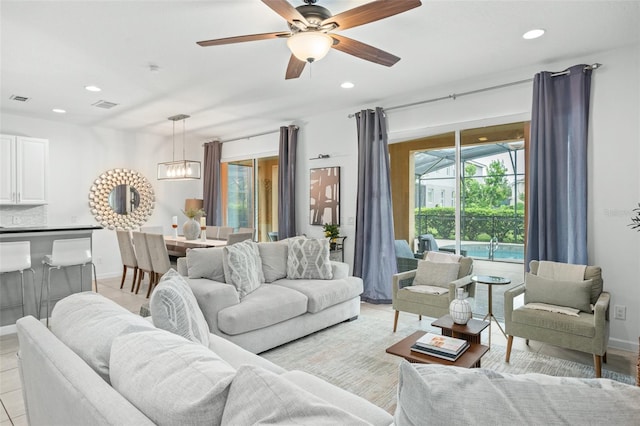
column 179, row 169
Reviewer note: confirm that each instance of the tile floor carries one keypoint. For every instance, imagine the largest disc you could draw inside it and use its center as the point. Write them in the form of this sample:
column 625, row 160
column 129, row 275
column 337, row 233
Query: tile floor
column 12, row 406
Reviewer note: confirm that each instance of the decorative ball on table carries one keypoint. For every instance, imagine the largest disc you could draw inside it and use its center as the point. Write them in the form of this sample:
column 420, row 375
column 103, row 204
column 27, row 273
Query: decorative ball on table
column 460, row 308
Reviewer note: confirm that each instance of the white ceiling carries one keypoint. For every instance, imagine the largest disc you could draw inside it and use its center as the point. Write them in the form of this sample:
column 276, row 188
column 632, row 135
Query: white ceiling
column 50, row 50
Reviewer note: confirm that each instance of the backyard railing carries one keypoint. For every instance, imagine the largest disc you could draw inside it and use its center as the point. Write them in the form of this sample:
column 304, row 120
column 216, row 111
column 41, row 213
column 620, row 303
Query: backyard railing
column 491, row 237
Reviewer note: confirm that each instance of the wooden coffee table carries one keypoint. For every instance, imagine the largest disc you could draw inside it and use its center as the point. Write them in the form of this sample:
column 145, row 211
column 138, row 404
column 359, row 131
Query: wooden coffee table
column 469, row 359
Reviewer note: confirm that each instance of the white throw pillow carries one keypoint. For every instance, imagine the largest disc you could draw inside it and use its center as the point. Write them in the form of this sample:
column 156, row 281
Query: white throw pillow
column 438, row 274
column 172, row 380
column 258, row 396
column 243, row 266
column 174, row 308
column 309, row 259
column 88, row 323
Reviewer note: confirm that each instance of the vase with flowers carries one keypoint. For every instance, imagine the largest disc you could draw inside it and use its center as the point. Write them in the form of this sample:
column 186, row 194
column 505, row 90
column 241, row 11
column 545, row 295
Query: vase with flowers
column 191, row 228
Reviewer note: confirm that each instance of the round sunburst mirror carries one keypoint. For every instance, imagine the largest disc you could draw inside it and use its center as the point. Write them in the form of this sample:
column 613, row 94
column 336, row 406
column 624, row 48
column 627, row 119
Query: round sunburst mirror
column 121, row 199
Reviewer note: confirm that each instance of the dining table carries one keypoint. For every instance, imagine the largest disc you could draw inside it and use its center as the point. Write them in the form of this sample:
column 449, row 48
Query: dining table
column 177, row 246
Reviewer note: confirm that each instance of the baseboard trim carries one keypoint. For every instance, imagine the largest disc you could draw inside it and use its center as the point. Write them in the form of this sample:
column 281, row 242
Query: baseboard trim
column 624, row 345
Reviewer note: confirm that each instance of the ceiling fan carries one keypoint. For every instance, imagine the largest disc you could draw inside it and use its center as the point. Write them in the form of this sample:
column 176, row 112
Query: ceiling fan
column 310, row 34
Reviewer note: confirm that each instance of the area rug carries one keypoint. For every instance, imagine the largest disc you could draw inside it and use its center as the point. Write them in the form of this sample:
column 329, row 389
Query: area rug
column 352, row 356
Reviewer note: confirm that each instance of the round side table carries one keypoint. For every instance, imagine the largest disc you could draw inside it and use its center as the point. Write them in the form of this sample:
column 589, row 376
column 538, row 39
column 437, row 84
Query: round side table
column 491, row 280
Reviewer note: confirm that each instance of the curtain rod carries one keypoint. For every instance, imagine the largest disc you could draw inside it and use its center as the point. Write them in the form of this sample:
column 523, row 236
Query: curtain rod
column 485, row 89
column 255, row 135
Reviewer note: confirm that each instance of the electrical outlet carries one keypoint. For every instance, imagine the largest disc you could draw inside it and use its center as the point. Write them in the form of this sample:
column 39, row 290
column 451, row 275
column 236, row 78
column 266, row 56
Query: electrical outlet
column 620, row 312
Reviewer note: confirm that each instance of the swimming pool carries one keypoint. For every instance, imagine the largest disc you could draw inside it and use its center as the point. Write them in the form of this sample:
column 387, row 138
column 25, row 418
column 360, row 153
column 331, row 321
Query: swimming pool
column 507, row 252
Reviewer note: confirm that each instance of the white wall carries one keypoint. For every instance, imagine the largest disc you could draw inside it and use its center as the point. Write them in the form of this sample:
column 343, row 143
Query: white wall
column 614, row 186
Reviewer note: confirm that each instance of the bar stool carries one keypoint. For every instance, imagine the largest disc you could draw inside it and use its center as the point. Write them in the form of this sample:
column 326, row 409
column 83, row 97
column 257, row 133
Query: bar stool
column 15, row 256
column 65, row 253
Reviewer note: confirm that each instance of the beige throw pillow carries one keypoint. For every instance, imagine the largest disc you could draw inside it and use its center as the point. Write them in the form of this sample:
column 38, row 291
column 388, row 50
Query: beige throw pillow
column 571, row 294
column 438, row 274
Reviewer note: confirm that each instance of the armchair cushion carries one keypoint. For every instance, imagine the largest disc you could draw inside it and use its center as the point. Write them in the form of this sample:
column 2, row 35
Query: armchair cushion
column 575, row 295
column 438, row 274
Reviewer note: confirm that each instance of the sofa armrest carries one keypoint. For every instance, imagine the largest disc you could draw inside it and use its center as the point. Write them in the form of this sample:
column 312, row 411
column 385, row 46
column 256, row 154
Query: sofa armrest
column 213, row 297
column 182, row 266
column 509, row 295
column 339, row 270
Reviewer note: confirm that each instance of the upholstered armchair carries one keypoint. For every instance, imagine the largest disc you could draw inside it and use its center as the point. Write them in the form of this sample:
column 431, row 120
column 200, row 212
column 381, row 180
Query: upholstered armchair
column 429, row 289
column 564, row 306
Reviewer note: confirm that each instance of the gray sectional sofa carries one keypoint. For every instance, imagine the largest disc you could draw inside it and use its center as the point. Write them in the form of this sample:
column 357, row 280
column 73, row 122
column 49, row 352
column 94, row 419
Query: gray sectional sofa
column 278, row 311
column 102, row 365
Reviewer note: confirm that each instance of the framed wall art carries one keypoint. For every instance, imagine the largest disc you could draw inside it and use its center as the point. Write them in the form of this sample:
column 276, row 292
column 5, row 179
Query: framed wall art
column 324, row 196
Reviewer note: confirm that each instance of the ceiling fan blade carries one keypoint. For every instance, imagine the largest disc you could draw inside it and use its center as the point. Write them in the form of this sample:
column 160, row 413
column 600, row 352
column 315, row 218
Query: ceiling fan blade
column 295, row 67
column 284, row 9
column 241, row 39
column 370, row 12
column 363, row 51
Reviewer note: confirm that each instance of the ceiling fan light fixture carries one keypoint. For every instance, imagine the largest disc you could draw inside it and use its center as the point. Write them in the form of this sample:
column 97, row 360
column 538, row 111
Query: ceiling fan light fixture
column 310, row 46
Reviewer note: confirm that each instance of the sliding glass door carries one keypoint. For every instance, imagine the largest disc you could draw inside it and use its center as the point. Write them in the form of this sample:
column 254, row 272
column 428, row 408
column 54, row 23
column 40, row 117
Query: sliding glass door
column 250, row 195
column 468, row 199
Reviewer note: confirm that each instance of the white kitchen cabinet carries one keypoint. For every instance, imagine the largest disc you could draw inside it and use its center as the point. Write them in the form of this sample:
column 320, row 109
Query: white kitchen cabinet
column 24, row 168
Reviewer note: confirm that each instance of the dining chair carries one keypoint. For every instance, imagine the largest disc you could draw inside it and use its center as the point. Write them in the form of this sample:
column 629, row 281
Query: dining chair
column 143, row 258
column 152, row 229
column 65, row 253
column 159, row 256
column 128, row 256
column 212, row 232
column 238, row 236
column 15, row 256
column 252, row 231
column 224, row 232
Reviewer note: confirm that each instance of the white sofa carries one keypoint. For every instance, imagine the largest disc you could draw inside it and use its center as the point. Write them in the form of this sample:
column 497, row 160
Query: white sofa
column 102, row 365
column 280, row 310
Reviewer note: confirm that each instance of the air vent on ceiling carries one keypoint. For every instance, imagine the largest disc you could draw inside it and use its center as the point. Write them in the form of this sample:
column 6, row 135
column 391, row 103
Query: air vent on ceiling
column 104, row 104
column 19, row 98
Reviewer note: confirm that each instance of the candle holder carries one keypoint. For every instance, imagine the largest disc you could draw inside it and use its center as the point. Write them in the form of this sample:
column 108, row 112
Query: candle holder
column 175, row 230
column 203, row 233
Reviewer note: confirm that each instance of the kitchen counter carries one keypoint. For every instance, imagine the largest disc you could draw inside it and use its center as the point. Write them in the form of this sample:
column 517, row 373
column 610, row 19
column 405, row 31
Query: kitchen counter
column 46, row 228
column 63, row 282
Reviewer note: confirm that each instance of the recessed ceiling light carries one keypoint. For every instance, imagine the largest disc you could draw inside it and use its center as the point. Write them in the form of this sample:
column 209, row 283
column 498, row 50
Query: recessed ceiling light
column 347, row 85
column 530, row 35
column 59, row 111
column 93, row 88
